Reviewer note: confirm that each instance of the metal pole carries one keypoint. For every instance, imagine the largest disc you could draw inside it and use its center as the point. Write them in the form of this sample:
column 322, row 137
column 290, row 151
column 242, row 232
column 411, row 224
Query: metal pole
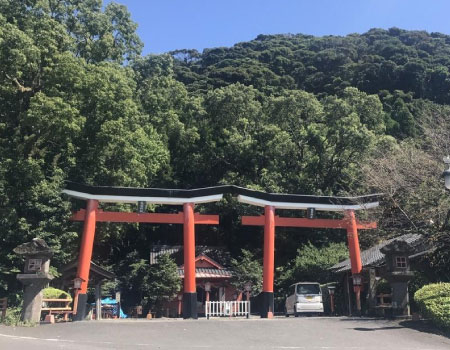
column 332, row 303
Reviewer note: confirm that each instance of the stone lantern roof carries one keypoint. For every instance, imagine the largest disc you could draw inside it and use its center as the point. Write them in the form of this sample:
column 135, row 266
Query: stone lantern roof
column 37, row 247
column 375, row 256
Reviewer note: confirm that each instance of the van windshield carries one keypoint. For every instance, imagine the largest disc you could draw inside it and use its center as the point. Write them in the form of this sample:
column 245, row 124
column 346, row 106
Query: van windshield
column 308, row 289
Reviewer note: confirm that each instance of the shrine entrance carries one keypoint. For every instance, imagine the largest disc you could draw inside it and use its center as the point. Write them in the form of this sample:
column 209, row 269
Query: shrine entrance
column 188, row 218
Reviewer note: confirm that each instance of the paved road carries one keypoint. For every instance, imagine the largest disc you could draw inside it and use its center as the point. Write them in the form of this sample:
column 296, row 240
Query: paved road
column 282, row 333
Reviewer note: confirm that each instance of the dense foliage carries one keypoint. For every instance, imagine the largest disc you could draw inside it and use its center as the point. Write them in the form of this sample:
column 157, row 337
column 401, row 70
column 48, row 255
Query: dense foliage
column 247, row 271
column 163, row 282
column 312, row 264
column 434, row 300
column 55, row 293
column 146, row 285
column 281, row 113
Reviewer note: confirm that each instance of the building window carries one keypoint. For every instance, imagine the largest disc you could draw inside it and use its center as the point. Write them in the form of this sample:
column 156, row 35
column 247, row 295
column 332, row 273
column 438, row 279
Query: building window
column 400, row 262
column 34, row 264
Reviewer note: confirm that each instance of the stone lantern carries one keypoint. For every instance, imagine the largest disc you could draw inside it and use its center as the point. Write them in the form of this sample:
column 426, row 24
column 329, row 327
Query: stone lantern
column 398, row 274
column 35, row 277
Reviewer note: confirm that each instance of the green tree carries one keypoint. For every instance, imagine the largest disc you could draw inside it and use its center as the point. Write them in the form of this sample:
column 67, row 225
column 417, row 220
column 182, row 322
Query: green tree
column 162, row 282
column 368, row 107
column 132, row 272
column 174, row 114
column 247, row 269
column 64, row 118
column 227, row 130
column 312, row 264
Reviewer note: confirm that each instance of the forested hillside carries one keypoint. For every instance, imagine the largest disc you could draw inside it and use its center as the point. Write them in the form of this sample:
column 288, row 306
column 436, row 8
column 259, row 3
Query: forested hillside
column 287, row 113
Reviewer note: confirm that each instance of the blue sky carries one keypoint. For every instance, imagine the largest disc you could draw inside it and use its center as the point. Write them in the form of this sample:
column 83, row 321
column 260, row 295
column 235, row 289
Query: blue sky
column 166, row 25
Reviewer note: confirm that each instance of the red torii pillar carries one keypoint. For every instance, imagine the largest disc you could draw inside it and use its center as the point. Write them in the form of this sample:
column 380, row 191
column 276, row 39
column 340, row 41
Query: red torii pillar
column 190, row 290
column 355, row 256
column 269, row 261
column 188, row 218
column 270, row 221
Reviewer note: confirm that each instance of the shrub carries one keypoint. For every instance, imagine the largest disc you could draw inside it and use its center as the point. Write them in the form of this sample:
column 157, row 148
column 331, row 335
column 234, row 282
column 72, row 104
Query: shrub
column 13, row 318
column 434, row 301
column 247, row 269
column 54, row 293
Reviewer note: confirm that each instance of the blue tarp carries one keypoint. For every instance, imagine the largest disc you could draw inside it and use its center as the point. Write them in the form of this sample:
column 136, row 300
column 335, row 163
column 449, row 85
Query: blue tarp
column 111, row 301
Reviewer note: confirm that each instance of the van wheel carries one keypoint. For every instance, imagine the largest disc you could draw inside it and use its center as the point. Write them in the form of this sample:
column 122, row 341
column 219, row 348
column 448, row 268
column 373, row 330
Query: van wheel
column 296, row 314
column 285, row 312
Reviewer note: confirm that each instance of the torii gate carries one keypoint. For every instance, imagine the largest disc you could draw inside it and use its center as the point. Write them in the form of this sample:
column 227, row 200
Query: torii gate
column 188, row 198
column 91, row 215
column 270, row 202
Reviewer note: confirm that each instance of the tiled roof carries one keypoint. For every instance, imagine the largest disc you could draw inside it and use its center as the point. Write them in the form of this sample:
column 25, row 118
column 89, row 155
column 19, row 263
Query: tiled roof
column 374, row 257
column 207, row 272
column 157, row 250
column 218, row 254
column 71, row 268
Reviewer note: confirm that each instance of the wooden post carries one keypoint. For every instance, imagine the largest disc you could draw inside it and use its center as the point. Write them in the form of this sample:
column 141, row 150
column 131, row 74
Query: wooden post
column 3, row 307
column 98, row 300
column 372, row 290
column 179, row 307
column 347, row 291
column 357, row 290
column 332, row 303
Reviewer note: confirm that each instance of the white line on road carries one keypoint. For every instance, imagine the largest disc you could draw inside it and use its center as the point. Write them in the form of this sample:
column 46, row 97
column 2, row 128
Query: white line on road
column 53, row 339
column 347, row 347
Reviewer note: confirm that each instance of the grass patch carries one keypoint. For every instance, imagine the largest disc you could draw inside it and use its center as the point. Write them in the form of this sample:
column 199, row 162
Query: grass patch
column 13, row 318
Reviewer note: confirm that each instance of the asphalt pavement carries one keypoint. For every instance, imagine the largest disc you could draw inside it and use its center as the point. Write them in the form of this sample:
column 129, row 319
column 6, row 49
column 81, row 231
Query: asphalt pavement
column 338, row 333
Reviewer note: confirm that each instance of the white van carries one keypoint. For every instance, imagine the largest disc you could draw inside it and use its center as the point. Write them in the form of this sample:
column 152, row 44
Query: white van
column 304, row 297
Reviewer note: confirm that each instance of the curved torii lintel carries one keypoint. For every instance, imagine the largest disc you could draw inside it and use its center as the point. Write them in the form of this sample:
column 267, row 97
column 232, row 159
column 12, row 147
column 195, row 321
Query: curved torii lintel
column 111, row 194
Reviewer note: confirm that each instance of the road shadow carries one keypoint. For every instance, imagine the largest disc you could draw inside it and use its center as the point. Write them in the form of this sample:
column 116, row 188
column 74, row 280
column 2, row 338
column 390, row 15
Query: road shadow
column 424, row 326
column 363, row 319
column 362, row 329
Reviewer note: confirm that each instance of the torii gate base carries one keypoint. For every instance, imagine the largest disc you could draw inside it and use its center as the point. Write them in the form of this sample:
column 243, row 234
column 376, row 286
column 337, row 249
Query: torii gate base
column 270, row 221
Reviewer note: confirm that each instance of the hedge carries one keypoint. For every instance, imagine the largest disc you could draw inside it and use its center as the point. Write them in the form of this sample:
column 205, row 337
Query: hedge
column 54, row 293
column 434, row 301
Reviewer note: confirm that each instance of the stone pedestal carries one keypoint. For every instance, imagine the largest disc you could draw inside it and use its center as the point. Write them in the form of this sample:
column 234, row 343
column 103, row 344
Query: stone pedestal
column 32, row 295
column 398, row 274
column 37, row 263
column 400, row 296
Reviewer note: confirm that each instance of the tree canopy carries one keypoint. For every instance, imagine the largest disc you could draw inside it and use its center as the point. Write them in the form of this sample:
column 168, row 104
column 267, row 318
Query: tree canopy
column 282, row 113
